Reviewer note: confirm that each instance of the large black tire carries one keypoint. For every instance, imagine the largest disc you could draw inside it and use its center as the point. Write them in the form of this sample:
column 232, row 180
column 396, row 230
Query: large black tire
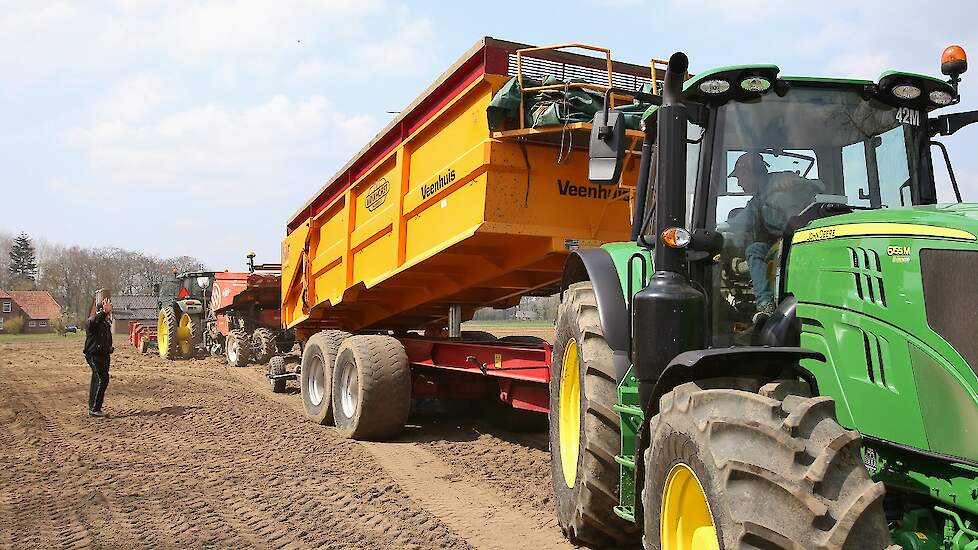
column 316, row 374
column 776, row 468
column 585, row 510
column 166, row 334
column 276, row 365
column 263, row 345
column 237, row 348
column 371, row 388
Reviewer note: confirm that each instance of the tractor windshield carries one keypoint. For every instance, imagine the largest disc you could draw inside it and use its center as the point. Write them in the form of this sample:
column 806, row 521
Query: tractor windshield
column 776, row 155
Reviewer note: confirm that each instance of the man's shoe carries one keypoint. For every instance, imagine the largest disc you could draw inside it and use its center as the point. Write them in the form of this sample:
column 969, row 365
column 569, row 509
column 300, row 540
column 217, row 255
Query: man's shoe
column 763, row 313
column 96, row 414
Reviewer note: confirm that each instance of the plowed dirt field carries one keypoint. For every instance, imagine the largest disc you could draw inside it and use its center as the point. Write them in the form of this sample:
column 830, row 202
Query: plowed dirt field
column 195, row 454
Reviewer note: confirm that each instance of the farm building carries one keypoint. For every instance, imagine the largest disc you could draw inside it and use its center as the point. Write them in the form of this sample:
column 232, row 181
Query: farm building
column 37, row 307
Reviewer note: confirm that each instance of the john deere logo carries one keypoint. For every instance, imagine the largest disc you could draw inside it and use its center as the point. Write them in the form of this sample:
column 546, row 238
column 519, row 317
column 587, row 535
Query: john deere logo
column 377, row 194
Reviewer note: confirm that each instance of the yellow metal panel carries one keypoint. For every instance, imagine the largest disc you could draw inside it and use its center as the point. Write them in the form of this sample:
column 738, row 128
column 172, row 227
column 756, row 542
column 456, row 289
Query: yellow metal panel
column 293, row 275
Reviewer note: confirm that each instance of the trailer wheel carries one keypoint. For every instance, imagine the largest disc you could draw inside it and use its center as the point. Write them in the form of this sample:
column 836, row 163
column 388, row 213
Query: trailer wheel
column 237, row 348
column 276, row 366
column 166, row 334
column 584, row 429
column 738, row 468
column 263, row 344
column 371, row 387
column 316, row 374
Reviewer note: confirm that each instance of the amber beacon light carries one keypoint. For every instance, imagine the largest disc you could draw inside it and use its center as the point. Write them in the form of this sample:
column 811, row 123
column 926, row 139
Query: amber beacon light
column 954, row 61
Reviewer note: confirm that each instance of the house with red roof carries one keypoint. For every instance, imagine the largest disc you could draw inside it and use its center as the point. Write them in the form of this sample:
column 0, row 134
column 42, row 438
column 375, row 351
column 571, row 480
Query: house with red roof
column 37, row 307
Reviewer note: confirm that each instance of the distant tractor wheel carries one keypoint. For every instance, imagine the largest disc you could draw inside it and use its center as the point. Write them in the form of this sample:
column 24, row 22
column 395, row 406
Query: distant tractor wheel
column 263, row 345
column 371, row 388
column 188, row 334
column 237, row 348
column 166, row 334
column 584, row 430
column 756, row 468
column 276, row 366
column 316, row 374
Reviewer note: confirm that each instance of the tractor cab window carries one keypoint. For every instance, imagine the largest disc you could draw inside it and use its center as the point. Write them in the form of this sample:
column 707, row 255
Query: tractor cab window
column 776, row 155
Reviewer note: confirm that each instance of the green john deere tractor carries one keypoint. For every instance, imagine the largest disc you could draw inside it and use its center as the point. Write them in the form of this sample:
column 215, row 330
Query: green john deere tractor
column 182, row 301
column 786, row 353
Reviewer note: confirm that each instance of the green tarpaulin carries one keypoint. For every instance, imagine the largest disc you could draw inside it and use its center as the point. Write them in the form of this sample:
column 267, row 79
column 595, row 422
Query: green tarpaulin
column 553, row 107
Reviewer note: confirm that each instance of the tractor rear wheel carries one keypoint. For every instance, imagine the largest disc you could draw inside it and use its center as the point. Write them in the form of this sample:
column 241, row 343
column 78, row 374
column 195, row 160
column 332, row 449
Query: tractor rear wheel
column 166, row 334
column 584, row 429
column 316, row 374
column 731, row 465
column 371, row 387
column 276, row 366
column 189, row 334
column 237, row 348
column 263, row 344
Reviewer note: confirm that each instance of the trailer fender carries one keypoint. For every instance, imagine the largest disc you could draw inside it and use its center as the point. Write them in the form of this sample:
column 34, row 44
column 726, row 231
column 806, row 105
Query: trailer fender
column 762, row 362
column 596, row 265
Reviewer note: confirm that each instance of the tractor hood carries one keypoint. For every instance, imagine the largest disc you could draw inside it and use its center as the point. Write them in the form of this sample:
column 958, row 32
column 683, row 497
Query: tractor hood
column 956, row 222
column 892, row 298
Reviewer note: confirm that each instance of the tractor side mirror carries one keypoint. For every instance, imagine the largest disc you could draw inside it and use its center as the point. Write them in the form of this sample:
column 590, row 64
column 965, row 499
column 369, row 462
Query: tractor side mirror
column 607, row 148
column 706, row 240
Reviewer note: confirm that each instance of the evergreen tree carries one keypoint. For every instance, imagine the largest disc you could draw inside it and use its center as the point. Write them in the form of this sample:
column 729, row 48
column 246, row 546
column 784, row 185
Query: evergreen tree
column 23, row 261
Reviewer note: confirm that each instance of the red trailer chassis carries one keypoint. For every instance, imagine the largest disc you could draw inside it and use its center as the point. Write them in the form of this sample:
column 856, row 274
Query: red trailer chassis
column 517, row 373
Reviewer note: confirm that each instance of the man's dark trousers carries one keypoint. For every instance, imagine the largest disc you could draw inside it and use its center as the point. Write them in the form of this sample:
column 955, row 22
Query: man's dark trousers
column 100, row 380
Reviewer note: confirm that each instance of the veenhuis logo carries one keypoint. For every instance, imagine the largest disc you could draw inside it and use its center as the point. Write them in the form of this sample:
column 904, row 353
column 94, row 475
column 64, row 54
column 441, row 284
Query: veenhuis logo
column 603, row 192
column 377, row 194
column 429, row 190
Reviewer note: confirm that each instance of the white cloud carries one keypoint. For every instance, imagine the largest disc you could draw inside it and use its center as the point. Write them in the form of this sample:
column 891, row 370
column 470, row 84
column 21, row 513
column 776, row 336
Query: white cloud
column 212, row 143
column 134, row 98
column 860, row 64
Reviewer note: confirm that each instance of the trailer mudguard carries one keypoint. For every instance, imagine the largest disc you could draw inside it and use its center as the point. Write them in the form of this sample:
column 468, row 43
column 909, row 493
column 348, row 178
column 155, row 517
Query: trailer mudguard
column 597, row 266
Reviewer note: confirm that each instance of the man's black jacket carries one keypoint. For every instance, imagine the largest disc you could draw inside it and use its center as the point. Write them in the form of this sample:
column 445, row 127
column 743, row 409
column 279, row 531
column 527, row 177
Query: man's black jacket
column 98, row 338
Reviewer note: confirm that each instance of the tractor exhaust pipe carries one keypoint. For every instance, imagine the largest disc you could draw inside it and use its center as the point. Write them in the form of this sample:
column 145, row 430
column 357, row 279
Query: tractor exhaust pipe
column 667, row 315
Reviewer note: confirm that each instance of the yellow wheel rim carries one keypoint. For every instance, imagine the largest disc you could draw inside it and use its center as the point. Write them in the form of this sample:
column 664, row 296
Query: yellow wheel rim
column 183, row 334
column 570, row 412
column 686, row 522
column 162, row 335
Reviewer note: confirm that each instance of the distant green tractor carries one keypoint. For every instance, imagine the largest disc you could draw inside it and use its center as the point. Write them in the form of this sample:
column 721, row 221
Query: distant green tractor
column 182, row 301
column 786, row 354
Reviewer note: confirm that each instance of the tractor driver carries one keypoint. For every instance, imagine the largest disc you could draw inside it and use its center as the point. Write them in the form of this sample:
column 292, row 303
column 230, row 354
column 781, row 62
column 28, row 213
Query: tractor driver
column 776, row 198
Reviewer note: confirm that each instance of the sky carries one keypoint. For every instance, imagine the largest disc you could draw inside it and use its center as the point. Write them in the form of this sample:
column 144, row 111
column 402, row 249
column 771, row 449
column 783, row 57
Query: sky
column 198, row 128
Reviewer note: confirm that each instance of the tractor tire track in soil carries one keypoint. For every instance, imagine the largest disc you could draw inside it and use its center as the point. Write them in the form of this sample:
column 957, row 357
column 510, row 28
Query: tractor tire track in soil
column 195, row 454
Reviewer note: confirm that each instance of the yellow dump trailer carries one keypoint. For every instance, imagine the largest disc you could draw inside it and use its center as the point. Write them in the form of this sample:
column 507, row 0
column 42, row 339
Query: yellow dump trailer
column 438, row 210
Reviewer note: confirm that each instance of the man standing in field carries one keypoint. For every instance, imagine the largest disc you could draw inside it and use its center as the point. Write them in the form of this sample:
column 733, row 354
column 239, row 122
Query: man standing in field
column 98, row 348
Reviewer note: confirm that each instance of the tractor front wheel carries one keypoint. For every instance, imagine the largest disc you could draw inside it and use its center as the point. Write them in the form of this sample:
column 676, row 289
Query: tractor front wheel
column 166, row 334
column 584, row 431
column 731, row 465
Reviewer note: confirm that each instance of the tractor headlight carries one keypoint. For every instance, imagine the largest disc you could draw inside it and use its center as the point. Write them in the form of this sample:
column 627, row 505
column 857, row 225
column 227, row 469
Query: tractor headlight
column 906, row 91
column 940, row 97
column 755, row 84
column 715, row 86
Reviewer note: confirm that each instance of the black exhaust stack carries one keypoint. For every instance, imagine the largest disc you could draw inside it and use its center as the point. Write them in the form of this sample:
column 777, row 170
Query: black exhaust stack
column 668, row 314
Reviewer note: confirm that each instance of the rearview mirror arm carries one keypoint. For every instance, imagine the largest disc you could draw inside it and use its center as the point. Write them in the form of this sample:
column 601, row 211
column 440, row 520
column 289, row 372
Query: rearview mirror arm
column 649, row 98
column 946, row 125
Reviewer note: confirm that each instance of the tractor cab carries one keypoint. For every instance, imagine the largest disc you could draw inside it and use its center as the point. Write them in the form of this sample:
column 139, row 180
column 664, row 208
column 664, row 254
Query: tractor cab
column 763, row 148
